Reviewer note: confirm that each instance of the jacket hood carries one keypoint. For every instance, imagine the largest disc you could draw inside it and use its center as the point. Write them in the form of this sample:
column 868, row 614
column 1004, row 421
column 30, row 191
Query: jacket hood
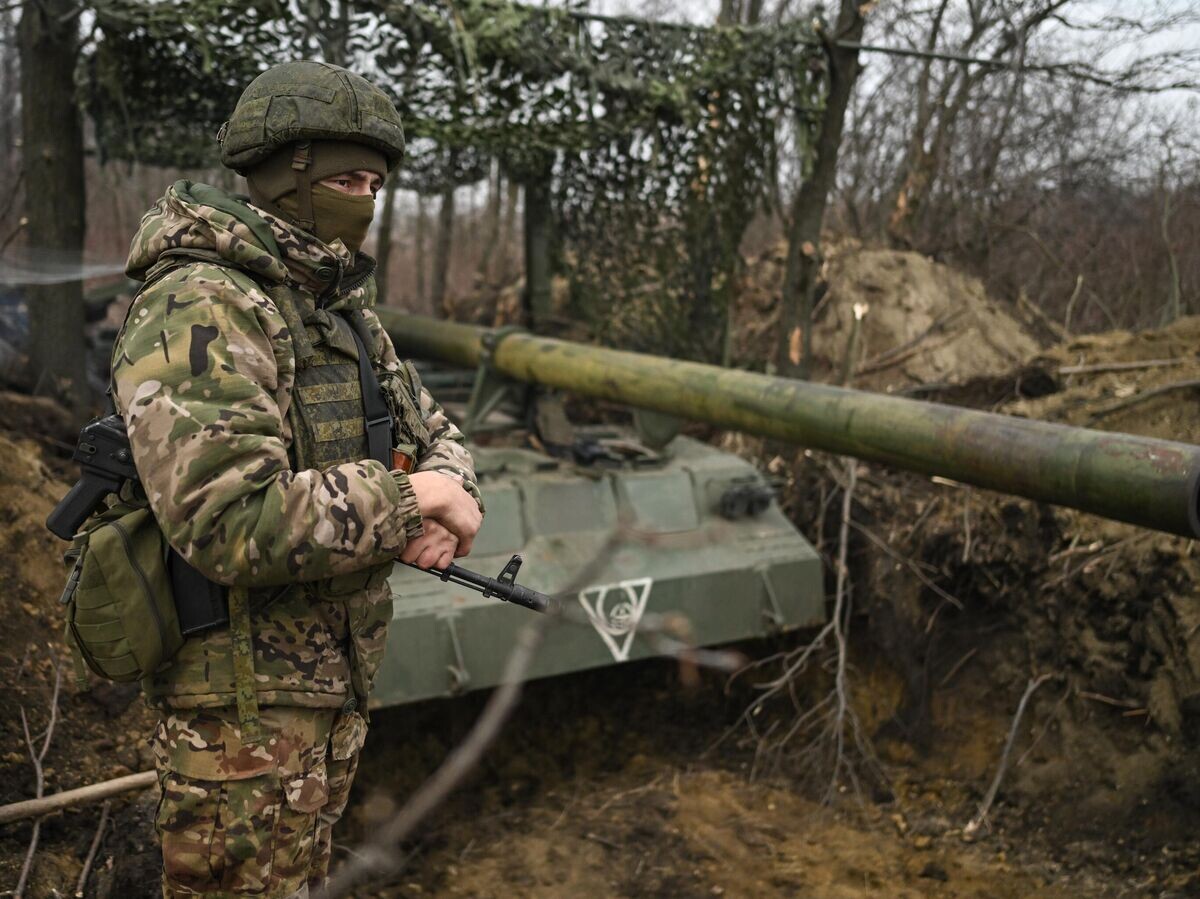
column 198, row 221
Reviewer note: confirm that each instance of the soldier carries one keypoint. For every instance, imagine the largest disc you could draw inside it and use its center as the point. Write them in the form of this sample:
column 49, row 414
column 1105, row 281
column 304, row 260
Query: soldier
column 238, row 375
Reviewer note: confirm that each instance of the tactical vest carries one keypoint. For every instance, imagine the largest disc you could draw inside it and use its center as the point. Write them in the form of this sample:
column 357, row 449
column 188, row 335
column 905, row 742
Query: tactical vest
column 328, row 413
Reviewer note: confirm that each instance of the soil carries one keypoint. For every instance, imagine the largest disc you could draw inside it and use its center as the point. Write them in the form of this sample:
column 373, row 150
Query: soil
column 919, row 322
column 639, row 781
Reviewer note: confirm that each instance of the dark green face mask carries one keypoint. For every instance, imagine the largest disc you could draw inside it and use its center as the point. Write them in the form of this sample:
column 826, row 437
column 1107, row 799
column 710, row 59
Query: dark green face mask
column 337, row 215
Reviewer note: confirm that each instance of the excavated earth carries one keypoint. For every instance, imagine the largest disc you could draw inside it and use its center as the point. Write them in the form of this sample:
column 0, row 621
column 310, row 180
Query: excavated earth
column 641, row 780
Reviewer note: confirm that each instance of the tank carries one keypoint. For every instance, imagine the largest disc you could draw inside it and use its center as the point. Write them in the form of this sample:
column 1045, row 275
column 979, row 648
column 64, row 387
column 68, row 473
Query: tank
column 709, row 540
column 624, row 524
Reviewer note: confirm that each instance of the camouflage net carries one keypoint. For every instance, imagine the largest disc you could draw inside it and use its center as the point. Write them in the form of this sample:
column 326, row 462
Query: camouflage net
column 661, row 140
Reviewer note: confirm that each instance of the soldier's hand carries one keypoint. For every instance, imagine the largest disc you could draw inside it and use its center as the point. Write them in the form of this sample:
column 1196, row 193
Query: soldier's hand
column 433, row 549
column 443, row 498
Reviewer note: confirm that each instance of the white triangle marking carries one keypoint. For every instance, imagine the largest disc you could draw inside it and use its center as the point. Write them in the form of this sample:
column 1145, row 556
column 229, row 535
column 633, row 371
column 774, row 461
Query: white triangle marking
column 617, row 625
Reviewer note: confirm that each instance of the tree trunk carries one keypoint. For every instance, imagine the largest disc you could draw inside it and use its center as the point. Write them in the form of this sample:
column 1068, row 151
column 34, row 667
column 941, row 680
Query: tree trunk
column 54, row 195
column 491, row 233
column 512, row 196
column 539, row 232
column 419, row 253
column 1173, row 308
column 383, row 248
column 9, row 86
column 808, row 207
column 441, row 250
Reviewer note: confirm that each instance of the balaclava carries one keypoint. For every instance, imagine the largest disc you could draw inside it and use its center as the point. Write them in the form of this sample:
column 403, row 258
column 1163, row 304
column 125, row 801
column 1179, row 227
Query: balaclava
column 285, row 185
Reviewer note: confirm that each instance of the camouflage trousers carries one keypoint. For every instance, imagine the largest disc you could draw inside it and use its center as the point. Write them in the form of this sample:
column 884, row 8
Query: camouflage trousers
column 238, row 819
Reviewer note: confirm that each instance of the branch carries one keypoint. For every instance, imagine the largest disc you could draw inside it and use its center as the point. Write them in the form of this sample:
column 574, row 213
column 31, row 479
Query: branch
column 37, row 758
column 30, row 808
column 976, row 823
column 81, row 884
column 841, row 620
column 1118, row 366
column 1137, row 398
column 379, row 855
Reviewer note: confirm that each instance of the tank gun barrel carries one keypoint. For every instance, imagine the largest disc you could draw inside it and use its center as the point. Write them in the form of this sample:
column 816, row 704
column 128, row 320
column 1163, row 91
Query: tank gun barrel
column 1140, row 480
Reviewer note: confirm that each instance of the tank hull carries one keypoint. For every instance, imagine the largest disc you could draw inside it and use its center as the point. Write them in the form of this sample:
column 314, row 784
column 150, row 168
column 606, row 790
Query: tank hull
column 654, row 544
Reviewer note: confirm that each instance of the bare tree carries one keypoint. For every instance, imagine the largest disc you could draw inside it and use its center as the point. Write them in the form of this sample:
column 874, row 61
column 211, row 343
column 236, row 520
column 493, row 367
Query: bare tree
column 384, row 239
column 1022, row 140
column 442, row 248
column 491, row 232
column 52, row 151
column 808, row 205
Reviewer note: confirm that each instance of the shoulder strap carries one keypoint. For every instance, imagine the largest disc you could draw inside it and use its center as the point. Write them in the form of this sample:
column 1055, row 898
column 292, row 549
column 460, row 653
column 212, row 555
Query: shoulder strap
column 375, row 408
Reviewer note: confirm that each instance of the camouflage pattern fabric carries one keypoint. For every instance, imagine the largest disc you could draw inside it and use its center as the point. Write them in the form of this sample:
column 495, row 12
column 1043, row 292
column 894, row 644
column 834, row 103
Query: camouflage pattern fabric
column 236, row 819
column 203, row 372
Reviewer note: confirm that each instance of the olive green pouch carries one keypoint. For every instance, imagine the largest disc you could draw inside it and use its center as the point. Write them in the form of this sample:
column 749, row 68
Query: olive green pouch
column 121, row 617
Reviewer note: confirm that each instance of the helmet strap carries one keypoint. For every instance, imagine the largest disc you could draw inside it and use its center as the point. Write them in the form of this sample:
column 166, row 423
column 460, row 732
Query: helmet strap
column 301, row 161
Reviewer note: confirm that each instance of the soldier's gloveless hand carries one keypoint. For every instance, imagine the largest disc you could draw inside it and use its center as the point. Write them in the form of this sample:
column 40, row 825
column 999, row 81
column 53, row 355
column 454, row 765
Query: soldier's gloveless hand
column 443, row 499
column 436, row 548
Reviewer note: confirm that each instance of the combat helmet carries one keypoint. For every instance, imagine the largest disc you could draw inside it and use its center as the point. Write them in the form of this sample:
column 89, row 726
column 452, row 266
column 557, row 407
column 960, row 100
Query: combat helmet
column 296, row 102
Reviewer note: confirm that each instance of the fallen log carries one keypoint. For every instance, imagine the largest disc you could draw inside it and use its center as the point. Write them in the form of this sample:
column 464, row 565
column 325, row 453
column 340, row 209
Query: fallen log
column 34, row 808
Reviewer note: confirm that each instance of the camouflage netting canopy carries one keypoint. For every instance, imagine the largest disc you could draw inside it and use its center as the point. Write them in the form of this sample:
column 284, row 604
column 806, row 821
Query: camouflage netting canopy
column 660, row 141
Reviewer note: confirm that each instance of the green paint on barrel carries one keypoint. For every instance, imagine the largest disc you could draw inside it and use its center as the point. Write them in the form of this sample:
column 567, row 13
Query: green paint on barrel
column 1140, row 480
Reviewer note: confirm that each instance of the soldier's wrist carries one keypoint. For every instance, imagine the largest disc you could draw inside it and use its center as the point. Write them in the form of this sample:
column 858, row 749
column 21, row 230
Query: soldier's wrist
column 407, row 508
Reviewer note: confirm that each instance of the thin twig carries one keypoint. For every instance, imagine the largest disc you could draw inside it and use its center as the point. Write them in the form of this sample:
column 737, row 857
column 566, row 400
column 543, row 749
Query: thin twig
column 1142, row 397
column 1071, row 304
column 81, row 884
column 821, row 736
column 1046, row 725
column 957, row 666
column 1117, row 366
column 12, row 197
column 887, row 357
column 976, row 823
column 904, row 357
column 966, row 550
column 908, row 563
column 37, row 757
column 841, row 620
column 1108, row 700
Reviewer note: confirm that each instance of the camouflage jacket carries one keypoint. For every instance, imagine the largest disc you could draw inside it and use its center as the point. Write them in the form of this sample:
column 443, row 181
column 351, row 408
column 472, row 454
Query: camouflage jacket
column 203, row 374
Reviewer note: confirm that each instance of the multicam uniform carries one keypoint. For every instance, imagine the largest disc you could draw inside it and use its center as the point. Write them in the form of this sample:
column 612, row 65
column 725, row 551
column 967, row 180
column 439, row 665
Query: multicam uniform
column 237, row 378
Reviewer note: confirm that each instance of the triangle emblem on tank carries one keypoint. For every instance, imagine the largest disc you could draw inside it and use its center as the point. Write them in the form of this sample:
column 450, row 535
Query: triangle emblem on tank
column 615, row 610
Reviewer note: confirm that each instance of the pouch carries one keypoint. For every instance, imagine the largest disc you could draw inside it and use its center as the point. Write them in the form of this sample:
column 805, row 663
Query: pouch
column 121, row 617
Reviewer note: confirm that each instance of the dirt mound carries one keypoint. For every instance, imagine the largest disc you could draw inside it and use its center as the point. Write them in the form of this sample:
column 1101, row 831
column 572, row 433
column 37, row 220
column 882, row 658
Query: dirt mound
column 1144, row 383
column 920, row 322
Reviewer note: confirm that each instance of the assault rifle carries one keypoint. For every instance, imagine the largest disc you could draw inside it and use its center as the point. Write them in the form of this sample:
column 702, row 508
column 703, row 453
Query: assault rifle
column 104, row 456
column 106, row 462
column 504, row 586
